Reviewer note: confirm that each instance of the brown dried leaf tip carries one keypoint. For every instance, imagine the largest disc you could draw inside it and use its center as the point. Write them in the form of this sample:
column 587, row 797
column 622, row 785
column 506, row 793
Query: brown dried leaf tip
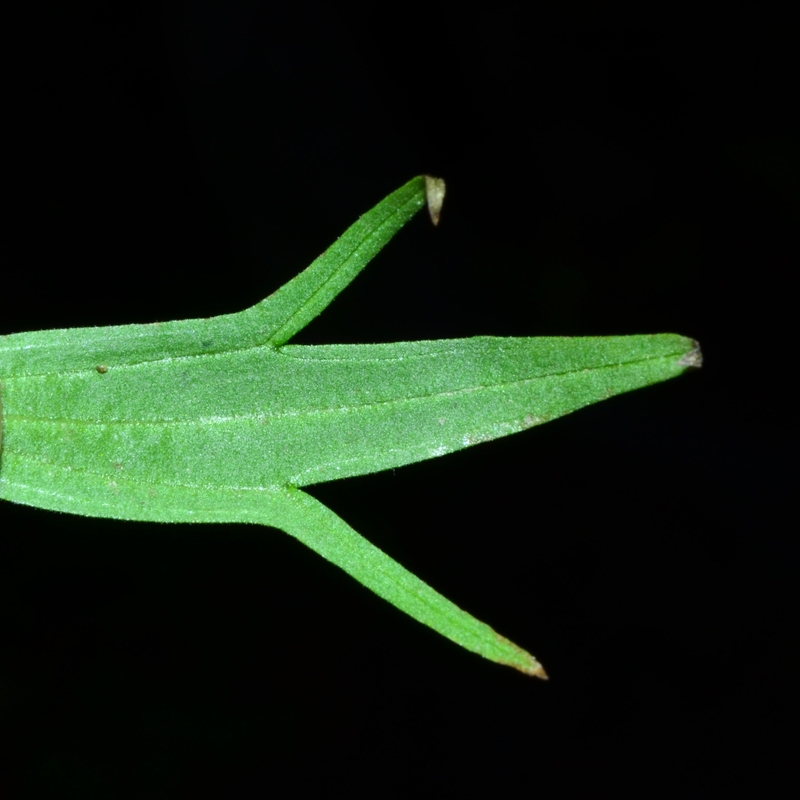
column 528, row 665
column 434, row 192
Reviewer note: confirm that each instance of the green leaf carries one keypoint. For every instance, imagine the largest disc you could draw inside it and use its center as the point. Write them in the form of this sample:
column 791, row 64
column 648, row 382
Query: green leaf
column 219, row 420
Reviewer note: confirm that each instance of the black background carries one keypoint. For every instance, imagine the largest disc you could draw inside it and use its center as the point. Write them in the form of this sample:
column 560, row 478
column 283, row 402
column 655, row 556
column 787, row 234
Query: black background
column 609, row 172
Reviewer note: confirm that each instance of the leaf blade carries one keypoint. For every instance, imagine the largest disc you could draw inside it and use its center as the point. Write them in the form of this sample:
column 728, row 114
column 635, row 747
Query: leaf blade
column 304, row 297
column 291, row 510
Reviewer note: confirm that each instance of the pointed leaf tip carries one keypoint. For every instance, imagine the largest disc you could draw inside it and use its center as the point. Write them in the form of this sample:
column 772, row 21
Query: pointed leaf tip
column 534, row 669
column 434, row 192
column 539, row 673
column 514, row 656
column 694, row 358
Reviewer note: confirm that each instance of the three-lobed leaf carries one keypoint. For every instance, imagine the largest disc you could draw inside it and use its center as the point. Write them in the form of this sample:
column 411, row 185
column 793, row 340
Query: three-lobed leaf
column 220, row 420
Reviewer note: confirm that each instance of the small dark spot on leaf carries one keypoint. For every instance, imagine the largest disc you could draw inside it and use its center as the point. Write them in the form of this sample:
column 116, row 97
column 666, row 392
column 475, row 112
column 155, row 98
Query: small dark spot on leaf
column 102, row 369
